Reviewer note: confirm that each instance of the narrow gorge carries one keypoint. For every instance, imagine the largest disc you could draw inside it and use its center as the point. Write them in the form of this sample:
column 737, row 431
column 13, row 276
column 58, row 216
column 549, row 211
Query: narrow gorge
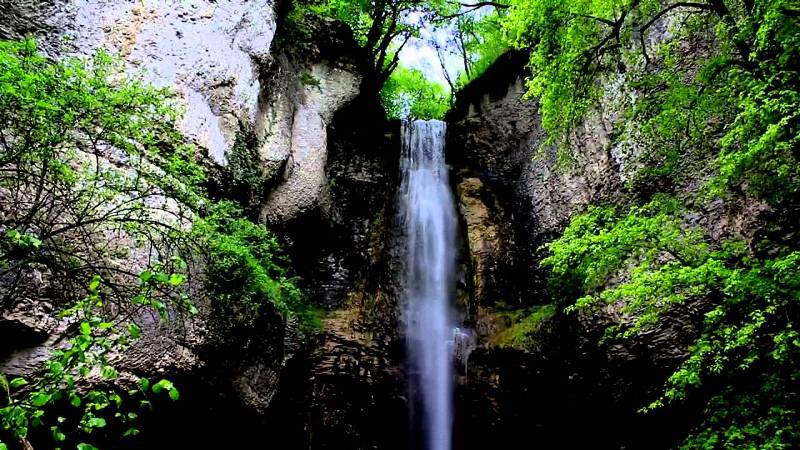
column 399, row 224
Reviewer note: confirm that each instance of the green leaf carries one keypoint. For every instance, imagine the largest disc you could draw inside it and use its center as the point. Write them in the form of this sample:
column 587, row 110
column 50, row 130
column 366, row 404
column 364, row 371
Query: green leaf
column 40, row 399
column 97, row 422
column 74, row 400
column 174, row 394
column 3, row 446
column 35, row 242
column 86, row 329
column 176, row 279
column 4, row 384
column 131, row 432
column 145, row 276
column 58, row 436
column 16, row 383
column 162, row 385
column 85, row 446
column 144, row 384
column 94, row 284
column 109, row 372
column 134, row 331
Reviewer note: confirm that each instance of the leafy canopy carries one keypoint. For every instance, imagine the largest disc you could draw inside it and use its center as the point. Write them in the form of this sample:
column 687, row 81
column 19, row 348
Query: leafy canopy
column 408, row 94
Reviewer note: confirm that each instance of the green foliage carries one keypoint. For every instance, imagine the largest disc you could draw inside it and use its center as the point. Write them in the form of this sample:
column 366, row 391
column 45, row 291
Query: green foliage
column 728, row 114
column 65, row 131
column 525, row 327
column 245, row 267
column 746, row 88
column 88, row 352
column 382, row 27
column 88, row 158
column 408, row 94
column 646, row 262
column 385, row 27
column 761, row 414
column 248, row 183
column 307, row 79
column 479, row 40
column 297, row 30
column 564, row 61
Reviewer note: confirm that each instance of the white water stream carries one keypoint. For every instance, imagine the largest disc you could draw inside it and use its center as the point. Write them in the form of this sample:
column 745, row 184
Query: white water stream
column 428, row 212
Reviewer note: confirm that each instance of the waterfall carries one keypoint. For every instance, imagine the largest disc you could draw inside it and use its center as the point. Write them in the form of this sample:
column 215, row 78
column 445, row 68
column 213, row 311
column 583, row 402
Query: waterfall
column 428, row 213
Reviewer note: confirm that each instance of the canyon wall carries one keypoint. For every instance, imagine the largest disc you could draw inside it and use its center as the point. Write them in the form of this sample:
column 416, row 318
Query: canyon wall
column 289, row 132
column 282, row 124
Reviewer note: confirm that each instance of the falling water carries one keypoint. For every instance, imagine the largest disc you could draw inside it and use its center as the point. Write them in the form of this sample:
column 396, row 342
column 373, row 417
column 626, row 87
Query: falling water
column 428, row 212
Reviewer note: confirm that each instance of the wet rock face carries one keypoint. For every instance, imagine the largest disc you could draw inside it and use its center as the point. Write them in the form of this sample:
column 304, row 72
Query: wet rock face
column 346, row 388
column 492, row 136
column 357, row 391
column 487, row 252
column 515, row 195
column 338, row 245
column 208, row 52
column 495, row 135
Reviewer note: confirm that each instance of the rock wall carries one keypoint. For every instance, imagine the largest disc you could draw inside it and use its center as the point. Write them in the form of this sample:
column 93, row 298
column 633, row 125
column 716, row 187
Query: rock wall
column 494, row 143
column 208, row 52
column 326, row 164
column 346, row 390
column 515, row 195
column 295, row 139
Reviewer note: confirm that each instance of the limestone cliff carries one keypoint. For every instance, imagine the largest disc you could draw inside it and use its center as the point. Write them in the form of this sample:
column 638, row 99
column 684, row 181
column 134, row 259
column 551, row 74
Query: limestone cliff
column 281, row 123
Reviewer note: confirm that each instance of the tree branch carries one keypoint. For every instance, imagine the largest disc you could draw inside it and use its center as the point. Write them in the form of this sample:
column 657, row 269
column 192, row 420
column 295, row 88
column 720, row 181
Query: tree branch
column 483, row 4
column 660, row 14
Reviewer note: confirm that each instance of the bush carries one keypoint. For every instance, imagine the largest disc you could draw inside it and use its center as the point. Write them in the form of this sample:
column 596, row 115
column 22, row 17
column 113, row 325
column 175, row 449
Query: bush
column 93, row 172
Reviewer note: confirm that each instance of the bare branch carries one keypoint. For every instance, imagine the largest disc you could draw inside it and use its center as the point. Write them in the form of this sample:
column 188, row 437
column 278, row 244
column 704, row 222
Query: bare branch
column 483, row 4
column 660, row 14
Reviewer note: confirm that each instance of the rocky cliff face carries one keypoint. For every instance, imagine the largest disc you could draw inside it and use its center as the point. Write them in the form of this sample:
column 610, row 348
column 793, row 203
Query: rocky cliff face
column 211, row 54
column 347, row 390
column 208, row 52
column 286, row 128
column 515, row 195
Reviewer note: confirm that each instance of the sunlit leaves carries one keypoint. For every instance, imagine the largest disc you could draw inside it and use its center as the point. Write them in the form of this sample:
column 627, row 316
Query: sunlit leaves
column 647, row 262
column 166, row 386
column 408, row 94
column 17, row 383
column 569, row 42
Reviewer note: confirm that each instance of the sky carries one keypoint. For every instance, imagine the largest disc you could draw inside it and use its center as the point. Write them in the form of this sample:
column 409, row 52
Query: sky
column 420, row 54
